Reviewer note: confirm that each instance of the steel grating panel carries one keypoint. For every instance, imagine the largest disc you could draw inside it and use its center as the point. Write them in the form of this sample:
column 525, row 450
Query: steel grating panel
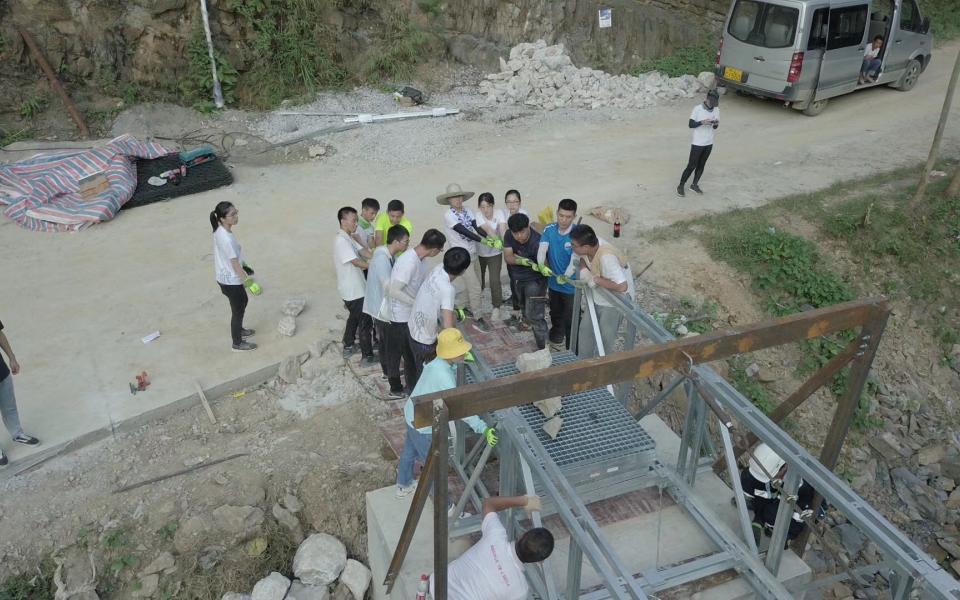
column 596, row 427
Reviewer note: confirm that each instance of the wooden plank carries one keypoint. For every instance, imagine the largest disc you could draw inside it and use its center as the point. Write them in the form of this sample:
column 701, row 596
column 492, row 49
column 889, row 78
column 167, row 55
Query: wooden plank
column 410, row 525
column 203, row 400
column 644, row 361
column 440, row 534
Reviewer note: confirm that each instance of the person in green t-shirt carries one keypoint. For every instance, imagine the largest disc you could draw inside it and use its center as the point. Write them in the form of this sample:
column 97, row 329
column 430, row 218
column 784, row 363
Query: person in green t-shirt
column 393, row 216
column 366, row 223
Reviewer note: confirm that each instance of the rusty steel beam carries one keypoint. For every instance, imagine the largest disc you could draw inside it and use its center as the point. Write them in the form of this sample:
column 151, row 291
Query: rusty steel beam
column 644, row 361
column 797, row 398
column 440, row 493
column 413, row 519
column 44, row 65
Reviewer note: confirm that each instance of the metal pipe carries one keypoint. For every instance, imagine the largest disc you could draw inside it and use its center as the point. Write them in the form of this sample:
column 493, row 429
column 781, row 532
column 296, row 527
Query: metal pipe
column 788, row 501
column 440, row 492
column 538, row 522
column 574, row 569
column 663, row 395
column 217, row 90
column 745, row 523
column 472, row 481
column 575, row 321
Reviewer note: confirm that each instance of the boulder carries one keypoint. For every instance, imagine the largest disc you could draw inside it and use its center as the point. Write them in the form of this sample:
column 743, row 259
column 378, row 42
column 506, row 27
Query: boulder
column 148, row 586
column 293, row 306
column 931, row 454
column 300, row 591
column 552, row 427
column 550, row 406
column 292, row 503
column 272, row 587
column 320, row 559
column 289, row 521
column 287, row 326
column 290, row 368
column 707, row 79
column 162, row 563
column 238, row 522
column 356, row 576
column 534, row 361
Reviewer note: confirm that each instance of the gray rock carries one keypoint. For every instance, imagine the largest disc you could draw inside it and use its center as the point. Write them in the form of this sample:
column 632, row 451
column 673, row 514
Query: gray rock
column 552, row 427
column 294, row 306
column 164, row 562
column 272, row 587
column 238, row 522
column 933, row 453
column 289, row 521
column 753, row 370
column 192, row 533
column 707, row 79
column 76, row 576
column 316, row 151
column 149, row 585
column 918, row 495
column 550, row 406
column 853, row 541
column 534, row 361
column 287, row 326
column 320, row 559
column 210, row 557
column 356, row 576
column 290, row 368
column 292, row 503
column 235, row 596
column 299, row 591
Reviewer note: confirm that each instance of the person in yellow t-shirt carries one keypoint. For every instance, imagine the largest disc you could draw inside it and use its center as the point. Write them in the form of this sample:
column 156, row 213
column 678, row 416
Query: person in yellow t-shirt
column 386, row 220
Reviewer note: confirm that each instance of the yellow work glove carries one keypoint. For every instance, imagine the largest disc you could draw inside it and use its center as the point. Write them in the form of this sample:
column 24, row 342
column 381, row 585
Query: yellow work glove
column 545, row 216
column 490, row 434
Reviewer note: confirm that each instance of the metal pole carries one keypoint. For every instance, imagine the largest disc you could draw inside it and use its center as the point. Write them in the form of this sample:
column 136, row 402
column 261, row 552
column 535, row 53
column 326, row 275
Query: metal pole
column 217, row 91
column 538, row 522
column 574, row 568
column 649, row 408
column 472, row 481
column 745, row 525
column 413, row 519
column 575, row 321
column 788, row 502
column 687, row 431
column 440, row 536
column 699, row 432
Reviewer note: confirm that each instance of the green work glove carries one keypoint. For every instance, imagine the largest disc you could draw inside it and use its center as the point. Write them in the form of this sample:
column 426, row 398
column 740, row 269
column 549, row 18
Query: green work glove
column 543, row 270
column 523, row 262
column 469, row 357
column 247, row 268
column 490, row 434
column 253, row 286
column 461, row 314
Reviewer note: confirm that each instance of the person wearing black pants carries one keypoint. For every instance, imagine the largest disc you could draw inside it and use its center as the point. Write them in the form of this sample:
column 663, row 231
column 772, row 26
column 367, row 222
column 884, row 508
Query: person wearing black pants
column 704, row 120
column 349, row 260
column 359, row 324
column 561, row 318
column 233, row 274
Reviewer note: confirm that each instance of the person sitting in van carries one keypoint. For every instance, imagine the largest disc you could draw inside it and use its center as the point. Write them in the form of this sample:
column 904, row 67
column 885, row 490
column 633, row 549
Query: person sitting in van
column 870, row 68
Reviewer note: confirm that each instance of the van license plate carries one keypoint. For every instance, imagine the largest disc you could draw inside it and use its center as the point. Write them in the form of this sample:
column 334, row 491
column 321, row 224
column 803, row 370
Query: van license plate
column 732, row 74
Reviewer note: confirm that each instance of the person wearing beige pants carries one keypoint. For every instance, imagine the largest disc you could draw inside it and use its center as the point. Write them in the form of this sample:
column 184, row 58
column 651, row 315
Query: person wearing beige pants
column 462, row 231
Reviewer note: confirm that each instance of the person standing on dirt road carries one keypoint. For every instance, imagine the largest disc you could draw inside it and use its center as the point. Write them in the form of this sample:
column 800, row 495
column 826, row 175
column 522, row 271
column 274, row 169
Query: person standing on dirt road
column 350, row 259
column 409, row 272
column 233, row 274
column 375, row 304
column 8, row 401
column 704, row 121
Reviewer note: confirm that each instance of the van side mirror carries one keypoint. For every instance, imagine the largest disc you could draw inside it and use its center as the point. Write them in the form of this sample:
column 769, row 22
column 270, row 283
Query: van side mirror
column 925, row 25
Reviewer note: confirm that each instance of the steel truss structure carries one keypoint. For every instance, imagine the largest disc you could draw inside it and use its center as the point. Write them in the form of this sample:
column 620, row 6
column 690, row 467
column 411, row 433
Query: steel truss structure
column 525, row 462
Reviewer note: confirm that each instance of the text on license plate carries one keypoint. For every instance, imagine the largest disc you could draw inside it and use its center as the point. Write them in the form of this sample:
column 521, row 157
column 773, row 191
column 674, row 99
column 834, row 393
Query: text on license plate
column 732, row 74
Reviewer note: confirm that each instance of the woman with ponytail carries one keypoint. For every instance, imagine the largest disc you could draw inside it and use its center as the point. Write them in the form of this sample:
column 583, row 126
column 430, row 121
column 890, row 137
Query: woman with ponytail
column 233, row 275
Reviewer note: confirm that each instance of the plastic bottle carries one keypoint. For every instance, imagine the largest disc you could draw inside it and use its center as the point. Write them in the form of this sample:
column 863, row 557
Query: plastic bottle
column 423, row 587
column 616, row 228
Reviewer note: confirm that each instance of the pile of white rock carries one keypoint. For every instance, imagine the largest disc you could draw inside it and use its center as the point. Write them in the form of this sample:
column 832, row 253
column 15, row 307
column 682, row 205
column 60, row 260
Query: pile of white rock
column 322, row 571
column 544, row 76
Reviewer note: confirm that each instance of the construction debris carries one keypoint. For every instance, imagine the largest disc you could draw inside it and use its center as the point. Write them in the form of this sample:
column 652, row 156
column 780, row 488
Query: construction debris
column 552, row 427
column 610, row 214
column 294, row 306
column 550, row 406
column 534, row 361
column 287, row 326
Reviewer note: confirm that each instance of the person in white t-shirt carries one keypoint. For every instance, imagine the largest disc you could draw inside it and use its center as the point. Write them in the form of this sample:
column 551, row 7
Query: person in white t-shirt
column 233, row 275
column 375, row 303
column 493, row 568
column 870, row 68
column 606, row 267
column 407, row 276
column 350, row 260
column 493, row 222
column 460, row 226
column 435, row 304
column 704, row 121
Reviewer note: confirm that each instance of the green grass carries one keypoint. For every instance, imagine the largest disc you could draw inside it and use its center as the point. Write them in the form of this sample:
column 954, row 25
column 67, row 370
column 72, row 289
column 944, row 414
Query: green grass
column 755, row 391
column 36, row 585
column 689, row 60
column 403, row 46
column 944, row 18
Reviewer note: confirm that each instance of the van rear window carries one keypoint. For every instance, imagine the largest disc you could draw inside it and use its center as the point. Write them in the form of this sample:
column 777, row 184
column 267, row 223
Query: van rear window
column 763, row 24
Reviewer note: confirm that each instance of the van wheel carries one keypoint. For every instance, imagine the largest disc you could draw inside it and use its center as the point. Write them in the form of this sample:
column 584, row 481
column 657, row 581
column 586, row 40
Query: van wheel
column 815, row 107
column 910, row 76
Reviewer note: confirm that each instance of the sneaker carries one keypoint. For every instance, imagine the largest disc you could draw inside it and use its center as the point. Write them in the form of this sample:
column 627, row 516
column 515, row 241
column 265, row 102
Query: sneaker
column 481, row 325
column 349, row 351
column 27, row 440
column 384, row 378
column 406, row 490
column 3, row 460
column 696, row 188
column 680, row 191
column 247, row 332
column 244, row 346
column 396, row 395
column 463, row 515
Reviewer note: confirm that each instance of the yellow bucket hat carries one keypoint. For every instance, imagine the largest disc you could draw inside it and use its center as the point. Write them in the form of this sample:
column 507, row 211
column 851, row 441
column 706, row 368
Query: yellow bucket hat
column 450, row 344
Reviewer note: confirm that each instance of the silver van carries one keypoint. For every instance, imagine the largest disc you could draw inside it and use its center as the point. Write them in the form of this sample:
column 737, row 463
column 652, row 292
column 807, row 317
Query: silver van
column 804, row 52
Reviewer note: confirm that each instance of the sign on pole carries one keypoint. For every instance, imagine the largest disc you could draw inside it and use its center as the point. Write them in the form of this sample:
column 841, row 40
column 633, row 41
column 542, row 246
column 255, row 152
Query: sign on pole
column 606, row 17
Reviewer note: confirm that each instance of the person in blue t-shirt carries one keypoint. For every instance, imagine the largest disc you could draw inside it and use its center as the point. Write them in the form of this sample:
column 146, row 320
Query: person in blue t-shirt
column 555, row 252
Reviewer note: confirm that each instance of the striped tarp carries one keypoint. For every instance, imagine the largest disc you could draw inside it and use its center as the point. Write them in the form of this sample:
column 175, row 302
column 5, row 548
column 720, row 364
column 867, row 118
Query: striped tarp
column 42, row 192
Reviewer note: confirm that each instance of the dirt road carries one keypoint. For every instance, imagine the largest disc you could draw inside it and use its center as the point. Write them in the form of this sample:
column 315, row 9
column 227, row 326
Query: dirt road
column 76, row 305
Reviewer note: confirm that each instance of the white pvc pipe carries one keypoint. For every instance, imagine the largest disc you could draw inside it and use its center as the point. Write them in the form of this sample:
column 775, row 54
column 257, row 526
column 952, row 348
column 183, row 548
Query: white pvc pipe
column 217, row 90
